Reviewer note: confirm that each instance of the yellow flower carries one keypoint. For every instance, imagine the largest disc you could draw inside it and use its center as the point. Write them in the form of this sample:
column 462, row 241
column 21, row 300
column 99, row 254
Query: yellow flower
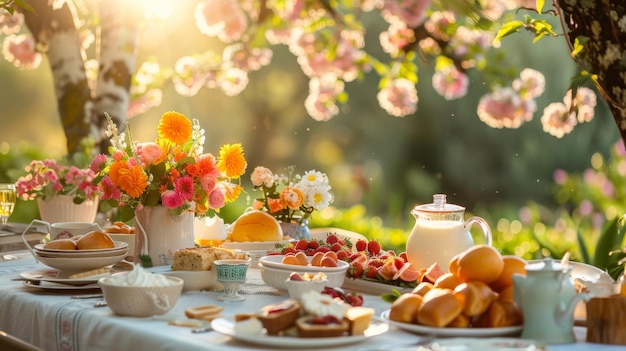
column 232, row 162
column 232, row 192
column 175, row 127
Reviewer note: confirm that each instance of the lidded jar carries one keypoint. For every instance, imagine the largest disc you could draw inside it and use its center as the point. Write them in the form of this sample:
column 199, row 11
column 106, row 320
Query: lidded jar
column 440, row 233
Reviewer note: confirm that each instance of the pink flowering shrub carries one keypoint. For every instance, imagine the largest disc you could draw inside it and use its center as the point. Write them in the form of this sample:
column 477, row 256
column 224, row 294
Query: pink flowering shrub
column 48, row 178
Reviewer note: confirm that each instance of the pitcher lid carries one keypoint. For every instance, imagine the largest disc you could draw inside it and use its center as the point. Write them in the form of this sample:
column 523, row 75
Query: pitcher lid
column 439, row 205
column 546, row 265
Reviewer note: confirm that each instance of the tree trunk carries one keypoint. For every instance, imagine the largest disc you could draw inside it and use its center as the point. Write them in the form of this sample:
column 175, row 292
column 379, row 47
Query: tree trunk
column 81, row 107
column 604, row 23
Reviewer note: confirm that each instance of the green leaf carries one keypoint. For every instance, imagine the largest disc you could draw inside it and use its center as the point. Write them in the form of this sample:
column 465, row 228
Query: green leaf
column 392, row 296
column 582, row 247
column 610, row 239
column 507, row 29
column 540, row 4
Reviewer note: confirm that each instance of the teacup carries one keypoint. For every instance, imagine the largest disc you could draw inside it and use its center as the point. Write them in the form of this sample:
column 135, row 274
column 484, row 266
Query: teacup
column 66, row 230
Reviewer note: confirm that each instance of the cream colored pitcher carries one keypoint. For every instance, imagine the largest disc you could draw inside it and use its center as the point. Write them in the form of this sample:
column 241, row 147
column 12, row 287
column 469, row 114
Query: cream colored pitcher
column 441, row 232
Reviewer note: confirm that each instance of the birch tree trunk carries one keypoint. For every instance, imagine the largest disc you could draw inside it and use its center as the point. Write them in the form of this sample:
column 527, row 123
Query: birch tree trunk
column 604, row 23
column 81, row 107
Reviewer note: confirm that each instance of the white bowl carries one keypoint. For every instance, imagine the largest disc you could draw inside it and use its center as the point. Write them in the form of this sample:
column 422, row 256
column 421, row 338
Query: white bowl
column 298, row 287
column 276, row 277
column 197, row 280
column 274, row 261
column 141, row 301
column 81, row 264
column 127, row 238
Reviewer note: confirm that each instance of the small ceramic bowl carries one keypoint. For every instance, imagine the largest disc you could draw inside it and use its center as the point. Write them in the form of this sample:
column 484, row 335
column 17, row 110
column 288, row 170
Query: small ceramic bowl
column 298, row 287
column 141, row 301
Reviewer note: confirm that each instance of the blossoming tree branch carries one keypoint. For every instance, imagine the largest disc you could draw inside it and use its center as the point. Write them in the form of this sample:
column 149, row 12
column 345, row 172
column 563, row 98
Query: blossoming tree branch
column 327, row 39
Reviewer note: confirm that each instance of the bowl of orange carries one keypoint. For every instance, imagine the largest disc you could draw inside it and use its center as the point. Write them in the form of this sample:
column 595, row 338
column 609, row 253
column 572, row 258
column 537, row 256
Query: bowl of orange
column 276, row 269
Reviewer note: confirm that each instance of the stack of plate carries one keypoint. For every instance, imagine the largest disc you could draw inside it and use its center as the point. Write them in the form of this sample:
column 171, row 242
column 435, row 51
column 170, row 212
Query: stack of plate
column 69, row 261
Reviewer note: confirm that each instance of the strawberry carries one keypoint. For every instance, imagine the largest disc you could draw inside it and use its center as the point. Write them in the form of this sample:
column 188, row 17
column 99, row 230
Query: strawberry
column 288, row 250
column 336, row 247
column 404, row 256
column 343, row 255
column 373, row 247
column 331, row 239
column 361, row 245
column 355, row 256
column 313, row 244
column 302, row 244
column 331, row 292
column 322, row 249
column 376, row 262
column 355, row 270
column 355, row 299
column 398, row 262
column 371, row 271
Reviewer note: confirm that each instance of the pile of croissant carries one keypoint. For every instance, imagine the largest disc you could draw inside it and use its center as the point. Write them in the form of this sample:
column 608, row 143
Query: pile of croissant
column 477, row 292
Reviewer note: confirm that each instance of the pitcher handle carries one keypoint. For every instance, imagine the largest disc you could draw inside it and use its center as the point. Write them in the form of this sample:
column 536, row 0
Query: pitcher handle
column 484, row 226
column 34, row 221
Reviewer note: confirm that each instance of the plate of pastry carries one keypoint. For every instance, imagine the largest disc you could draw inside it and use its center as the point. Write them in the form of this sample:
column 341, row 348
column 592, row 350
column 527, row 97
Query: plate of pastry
column 453, row 332
column 227, row 327
column 54, row 276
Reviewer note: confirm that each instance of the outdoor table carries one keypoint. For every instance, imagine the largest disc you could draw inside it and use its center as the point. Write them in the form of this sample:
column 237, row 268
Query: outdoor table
column 55, row 321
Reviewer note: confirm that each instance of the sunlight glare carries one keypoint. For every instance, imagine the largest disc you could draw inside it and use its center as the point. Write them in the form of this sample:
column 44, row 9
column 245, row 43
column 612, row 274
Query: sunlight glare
column 160, row 9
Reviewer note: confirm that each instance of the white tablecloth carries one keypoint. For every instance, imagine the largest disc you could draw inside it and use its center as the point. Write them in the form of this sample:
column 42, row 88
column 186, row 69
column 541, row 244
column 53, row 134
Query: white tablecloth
column 54, row 321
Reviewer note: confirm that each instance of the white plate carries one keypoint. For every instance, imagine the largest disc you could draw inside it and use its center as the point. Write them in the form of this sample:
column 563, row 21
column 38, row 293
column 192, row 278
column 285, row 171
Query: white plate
column 55, row 287
column 81, row 264
column 81, row 254
column 51, row 275
column 118, row 245
column 226, row 327
column 253, row 245
column 465, row 332
column 492, row 344
column 371, row 288
column 274, row 261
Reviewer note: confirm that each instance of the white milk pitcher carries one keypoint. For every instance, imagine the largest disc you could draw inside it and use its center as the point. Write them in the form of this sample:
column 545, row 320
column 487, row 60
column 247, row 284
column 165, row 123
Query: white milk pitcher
column 441, row 232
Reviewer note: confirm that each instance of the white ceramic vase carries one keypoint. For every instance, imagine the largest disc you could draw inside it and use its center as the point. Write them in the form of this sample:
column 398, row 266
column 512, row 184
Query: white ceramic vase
column 62, row 208
column 164, row 234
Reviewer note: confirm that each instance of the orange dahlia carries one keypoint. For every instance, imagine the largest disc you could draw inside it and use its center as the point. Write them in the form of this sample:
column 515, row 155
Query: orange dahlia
column 175, row 127
column 232, row 162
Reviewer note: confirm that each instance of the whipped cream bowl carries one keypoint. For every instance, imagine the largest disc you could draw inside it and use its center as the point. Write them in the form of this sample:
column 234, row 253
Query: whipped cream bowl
column 139, row 293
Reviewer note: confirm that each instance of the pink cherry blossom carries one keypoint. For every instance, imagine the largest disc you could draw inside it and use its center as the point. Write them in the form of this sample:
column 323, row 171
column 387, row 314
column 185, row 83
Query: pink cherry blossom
column 233, row 81
column 531, row 82
column 411, row 12
column 20, row 51
column 558, row 120
column 323, row 92
column 151, row 98
column 450, row 83
column 188, row 77
column 11, row 24
column 223, row 19
column 396, row 37
column 399, row 98
column 504, row 108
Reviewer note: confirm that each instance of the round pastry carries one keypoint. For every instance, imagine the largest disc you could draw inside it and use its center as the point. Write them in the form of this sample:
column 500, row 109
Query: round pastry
column 61, row 244
column 95, row 240
column 256, row 226
column 501, row 313
column 321, row 327
column 475, row 296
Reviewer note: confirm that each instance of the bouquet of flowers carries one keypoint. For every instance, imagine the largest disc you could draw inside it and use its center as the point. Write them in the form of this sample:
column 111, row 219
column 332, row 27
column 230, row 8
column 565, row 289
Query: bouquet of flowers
column 49, row 178
column 299, row 197
column 172, row 171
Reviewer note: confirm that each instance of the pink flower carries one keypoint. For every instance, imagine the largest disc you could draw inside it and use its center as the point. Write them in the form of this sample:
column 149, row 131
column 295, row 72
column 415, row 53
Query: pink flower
column 208, row 183
column 149, row 152
column 450, row 83
column 98, row 162
column 184, row 187
column 145, row 102
column 172, row 199
column 188, row 77
column 233, row 81
column 399, row 98
column 396, row 37
column 530, row 82
column 20, row 50
column 217, row 199
column 557, row 120
column 504, row 108
column 262, row 176
column 411, row 12
column 223, row 19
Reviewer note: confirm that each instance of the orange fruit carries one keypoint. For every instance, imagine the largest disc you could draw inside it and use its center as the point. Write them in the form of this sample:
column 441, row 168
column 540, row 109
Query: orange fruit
column 388, row 270
column 316, row 260
column 328, row 261
column 480, row 262
column 447, row 281
column 291, row 259
column 409, row 274
column 331, row 254
column 302, row 258
column 512, row 265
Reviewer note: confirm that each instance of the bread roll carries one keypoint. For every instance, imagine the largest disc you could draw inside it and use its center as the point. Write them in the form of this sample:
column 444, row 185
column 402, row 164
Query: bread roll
column 61, row 244
column 475, row 297
column 501, row 313
column 461, row 321
column 422, row 288
column 439, row 308
column 256, row 226
column 95, row 240
column 404, row 308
